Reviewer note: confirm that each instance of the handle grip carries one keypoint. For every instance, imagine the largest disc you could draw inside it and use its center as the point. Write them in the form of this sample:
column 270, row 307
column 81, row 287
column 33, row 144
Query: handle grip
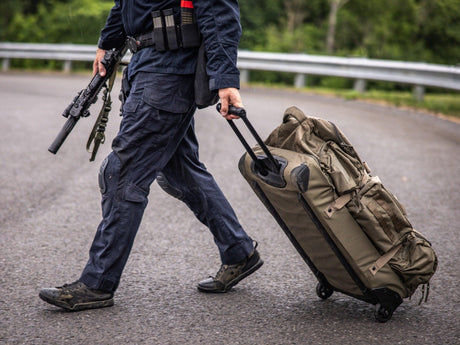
column 62, row 135
column 241, row 112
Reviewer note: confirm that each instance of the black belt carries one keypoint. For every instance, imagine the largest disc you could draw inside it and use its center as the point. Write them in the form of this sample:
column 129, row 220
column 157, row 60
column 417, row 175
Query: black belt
column 140, row 41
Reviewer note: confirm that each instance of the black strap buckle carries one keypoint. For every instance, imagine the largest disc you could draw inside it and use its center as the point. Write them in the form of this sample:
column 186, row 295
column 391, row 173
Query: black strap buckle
column 133, row 44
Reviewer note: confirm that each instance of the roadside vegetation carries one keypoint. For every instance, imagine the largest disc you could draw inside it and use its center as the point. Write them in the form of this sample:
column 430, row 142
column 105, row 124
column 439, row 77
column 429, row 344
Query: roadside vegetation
column 409, row 30
column 443, row 104
column 439, row 103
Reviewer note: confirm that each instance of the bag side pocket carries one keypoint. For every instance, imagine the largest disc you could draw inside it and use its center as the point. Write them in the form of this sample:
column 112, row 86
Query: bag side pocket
column 380, row 215
column 415, row 262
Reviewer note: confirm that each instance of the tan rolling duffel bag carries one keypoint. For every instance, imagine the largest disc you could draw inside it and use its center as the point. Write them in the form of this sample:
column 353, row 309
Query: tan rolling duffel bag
column 353, row 234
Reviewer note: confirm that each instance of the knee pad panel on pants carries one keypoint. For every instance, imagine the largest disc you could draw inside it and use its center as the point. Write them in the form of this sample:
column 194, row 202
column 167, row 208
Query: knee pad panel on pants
column 168, row 187
column 109, row 174
column 101, row 176
column 134, row 193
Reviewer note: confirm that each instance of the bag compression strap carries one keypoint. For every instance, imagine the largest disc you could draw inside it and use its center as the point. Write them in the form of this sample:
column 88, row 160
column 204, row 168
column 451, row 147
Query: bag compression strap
column 344, row 199
column 384, row 259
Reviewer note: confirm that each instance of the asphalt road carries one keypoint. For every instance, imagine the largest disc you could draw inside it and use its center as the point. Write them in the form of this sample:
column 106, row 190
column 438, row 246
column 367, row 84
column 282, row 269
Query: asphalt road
column 49, row 210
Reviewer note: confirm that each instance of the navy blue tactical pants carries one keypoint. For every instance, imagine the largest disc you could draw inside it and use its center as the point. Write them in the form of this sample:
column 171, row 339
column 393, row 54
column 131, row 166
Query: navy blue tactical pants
column 156, row 135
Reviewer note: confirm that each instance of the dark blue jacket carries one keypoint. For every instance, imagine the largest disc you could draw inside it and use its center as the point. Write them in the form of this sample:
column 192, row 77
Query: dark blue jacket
column 219, row 24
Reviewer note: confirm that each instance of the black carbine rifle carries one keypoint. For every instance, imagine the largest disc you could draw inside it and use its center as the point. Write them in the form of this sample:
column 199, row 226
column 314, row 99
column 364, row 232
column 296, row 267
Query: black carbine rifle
column 86, row 97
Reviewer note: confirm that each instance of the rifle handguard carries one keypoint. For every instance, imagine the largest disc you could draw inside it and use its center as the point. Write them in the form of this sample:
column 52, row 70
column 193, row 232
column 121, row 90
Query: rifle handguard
column 86, row 97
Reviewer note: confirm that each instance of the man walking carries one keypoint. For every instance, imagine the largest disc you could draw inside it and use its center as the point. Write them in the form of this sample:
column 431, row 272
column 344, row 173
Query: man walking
column 157, row 139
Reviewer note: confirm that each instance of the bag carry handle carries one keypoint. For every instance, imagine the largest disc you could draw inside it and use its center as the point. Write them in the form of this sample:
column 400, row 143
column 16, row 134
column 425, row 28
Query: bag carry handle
column 261, row 165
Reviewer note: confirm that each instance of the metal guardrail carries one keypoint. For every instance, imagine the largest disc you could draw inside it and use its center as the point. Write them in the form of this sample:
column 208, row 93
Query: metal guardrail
column 414, row 73
column 418, row 74
column 49, row 51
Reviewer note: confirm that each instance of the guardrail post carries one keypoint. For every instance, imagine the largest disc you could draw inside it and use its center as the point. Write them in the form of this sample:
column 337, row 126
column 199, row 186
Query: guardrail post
column 360, row 85
column 244, row 76
column 67, row 66
column 300, row 80
column 419, row 93
column 5, row 65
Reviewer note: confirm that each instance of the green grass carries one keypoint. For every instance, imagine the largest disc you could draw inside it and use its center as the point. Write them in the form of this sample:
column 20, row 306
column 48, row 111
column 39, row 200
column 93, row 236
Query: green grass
column 444, row 104
column 447, row 104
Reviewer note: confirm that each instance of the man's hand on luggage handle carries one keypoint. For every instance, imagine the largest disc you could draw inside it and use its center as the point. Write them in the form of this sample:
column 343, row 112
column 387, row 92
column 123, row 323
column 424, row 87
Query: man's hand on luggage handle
column 229, row 96
column 97, row 64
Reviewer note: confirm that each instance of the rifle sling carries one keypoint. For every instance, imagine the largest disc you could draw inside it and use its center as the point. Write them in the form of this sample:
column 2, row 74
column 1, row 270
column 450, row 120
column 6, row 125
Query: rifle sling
column 97, row 134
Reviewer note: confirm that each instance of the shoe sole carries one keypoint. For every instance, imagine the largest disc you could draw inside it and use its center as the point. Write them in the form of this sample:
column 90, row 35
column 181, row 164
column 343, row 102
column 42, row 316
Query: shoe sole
column 235, row 281
column 78, row 306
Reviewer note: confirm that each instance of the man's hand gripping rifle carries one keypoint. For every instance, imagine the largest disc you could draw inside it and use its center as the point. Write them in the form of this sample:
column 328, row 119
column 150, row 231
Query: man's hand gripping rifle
column 86, row 97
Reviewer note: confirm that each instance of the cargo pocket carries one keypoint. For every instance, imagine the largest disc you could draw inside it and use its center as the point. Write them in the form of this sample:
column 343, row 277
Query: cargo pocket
column 380, row 215
column 169, row 92
column 343, row 169
column 134, row 194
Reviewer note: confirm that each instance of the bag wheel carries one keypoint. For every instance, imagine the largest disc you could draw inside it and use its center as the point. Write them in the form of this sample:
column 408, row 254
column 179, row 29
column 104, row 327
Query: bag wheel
column 324, row 291
column 382, row 314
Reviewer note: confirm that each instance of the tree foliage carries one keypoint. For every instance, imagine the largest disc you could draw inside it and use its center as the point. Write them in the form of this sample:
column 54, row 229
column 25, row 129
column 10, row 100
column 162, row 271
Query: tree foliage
column 55, row 21
column 415, row 30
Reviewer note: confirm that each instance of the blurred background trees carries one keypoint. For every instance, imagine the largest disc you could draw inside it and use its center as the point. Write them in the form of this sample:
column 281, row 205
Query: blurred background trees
column 411, row 30
column 53, row 21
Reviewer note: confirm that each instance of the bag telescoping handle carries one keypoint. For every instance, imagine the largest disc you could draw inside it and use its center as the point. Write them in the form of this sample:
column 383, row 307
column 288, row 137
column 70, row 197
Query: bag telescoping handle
column 261, row 164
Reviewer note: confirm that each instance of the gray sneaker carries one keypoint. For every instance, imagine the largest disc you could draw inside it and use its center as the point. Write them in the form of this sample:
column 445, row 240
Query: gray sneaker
column 230, row 275
column 76, row 296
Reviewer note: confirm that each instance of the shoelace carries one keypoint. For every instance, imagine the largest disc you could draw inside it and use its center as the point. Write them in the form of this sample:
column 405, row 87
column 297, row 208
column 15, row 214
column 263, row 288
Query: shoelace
column 224, row 268
column 237, row 266
column 221, row 271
